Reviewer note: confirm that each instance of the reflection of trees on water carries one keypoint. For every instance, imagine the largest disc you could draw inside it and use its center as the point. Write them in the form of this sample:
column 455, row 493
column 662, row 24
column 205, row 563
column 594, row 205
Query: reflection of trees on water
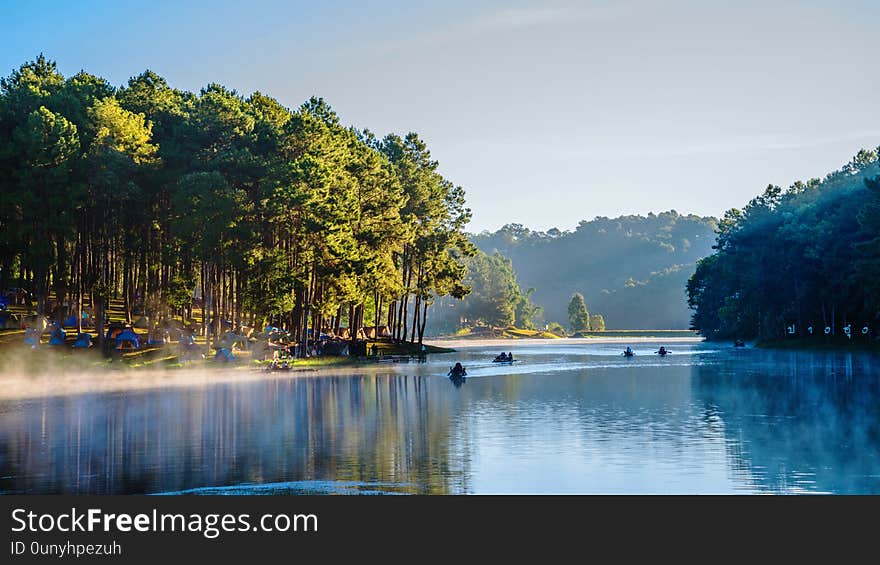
column 776, row 422
column 358, row 430
column 798, row 421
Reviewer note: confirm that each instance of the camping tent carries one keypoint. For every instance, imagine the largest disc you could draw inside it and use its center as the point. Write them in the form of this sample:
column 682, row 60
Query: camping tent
column 230, row 339
column 32, row 337
column 58, row 336
column 83, row 341
column 224, row 355
column 113, row 330
column 127, row 339
column 156, row 337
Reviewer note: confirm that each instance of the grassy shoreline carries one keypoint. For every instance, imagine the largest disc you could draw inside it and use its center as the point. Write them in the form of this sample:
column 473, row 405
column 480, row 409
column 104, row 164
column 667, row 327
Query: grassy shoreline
column 519, row 333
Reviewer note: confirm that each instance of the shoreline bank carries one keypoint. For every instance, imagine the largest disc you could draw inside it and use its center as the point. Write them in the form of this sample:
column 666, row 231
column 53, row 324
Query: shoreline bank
column 463, row 343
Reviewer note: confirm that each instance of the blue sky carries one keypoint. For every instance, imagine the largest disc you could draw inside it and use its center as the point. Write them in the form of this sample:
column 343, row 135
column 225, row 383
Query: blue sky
column 548, row 112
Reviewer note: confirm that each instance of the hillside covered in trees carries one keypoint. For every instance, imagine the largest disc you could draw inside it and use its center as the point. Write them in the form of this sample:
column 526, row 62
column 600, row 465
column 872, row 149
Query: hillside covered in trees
column 631, row 269
column 150, row 194
column 806, row 256
column 495, row 299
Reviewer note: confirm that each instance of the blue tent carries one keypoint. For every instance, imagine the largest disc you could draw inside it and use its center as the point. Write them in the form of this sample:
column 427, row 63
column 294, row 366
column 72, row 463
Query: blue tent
column 83, row 341
column 153, row 340
column 224, row 355
column 58, row 336
column 127, row 339
column 114, row 330
column 32, row 337
column 70, row 321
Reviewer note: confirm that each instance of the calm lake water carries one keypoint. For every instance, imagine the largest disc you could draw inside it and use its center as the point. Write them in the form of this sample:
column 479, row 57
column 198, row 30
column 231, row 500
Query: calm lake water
column 567, row 418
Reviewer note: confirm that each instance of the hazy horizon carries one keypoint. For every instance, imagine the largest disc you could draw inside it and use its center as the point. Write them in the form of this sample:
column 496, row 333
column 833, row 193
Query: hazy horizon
column 546, row 113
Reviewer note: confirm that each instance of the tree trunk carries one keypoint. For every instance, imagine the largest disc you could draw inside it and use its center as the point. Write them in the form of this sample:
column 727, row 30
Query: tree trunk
column 424, row 320
column 415, row 323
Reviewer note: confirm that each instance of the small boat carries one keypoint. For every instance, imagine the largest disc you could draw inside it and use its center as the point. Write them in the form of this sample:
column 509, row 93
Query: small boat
column 739, row 343
column 663, row 352
column 457, row 372
column 505, row 361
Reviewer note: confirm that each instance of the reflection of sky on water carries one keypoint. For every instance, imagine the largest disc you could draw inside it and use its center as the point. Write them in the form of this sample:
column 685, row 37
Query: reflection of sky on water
column 565, row 419
column 800, row 421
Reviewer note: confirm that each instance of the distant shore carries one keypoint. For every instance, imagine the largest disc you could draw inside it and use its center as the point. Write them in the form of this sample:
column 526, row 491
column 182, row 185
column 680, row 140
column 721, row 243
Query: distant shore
column 459, row 343
column 519, row 334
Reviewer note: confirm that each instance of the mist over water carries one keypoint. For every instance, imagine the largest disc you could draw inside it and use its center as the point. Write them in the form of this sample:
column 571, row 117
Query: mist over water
column 567, row 418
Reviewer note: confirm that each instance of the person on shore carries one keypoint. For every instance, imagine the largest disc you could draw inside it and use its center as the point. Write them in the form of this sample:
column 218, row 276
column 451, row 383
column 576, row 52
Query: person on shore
column 374, row 350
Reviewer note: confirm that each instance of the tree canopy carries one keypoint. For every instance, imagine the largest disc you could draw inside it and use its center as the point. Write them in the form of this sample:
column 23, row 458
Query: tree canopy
column 578, row 316
column 495, row 298
column 803, row 257
column 154, row 194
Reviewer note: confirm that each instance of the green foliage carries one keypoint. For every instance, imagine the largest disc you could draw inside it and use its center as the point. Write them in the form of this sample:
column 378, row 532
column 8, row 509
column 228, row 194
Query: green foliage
column 121, row 131
column 150, row 193
column 808, row 255
column 578, row 316
column 180, row 291
column 495, row 298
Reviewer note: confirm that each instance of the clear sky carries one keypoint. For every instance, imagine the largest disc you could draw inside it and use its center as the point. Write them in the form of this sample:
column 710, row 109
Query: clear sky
column 546, row 112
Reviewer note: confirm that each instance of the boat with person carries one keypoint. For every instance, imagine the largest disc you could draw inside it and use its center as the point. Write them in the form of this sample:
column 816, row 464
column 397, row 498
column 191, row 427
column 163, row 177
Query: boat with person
column 458, row 371
column 457, row 375
column 505, row 358
column 628, row 352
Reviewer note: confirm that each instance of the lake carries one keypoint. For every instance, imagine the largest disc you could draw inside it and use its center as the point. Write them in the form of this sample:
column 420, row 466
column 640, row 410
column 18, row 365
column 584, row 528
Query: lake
column 569, row 417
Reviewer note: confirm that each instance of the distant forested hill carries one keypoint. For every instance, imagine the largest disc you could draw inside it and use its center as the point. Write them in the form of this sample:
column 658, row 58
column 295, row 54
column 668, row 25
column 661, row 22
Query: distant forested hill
column 631, row 269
